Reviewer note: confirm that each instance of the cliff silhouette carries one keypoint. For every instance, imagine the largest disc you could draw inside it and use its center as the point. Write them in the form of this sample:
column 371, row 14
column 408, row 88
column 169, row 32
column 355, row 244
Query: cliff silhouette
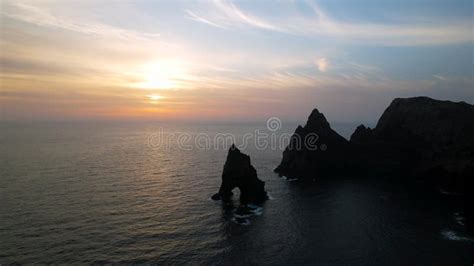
column 416, row 139
column 239, row 173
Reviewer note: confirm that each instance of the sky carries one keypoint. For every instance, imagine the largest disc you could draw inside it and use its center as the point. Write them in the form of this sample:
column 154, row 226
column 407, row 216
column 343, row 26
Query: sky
column 230, row 60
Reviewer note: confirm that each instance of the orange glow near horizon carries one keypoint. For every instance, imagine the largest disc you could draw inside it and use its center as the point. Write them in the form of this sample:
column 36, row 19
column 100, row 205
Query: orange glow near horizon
column 219, row 60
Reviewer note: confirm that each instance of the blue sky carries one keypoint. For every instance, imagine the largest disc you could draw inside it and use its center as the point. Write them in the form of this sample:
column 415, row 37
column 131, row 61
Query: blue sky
column 230, row 60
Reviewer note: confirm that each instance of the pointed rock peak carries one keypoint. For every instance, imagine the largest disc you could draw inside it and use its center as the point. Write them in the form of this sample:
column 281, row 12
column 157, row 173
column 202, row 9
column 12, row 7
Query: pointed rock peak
column 233, row 148
column 361, row 133
column 317, row 120
column 301, row 161
column 361, row 128
column 315, row 112
column 234, row 151
column 235, row 154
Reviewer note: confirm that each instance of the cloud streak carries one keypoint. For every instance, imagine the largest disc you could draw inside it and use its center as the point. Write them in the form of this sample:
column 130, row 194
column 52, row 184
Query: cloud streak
column 58, row 57
column 197, row 18
column 228, row 15
column 225, row 14
column 42, row 17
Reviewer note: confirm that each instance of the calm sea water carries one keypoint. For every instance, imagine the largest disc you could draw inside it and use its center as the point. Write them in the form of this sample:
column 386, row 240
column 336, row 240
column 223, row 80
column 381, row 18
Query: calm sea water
column 99, row 192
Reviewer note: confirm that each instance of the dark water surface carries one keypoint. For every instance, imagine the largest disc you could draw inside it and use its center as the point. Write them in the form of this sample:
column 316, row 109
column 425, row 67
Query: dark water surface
column 92, row 192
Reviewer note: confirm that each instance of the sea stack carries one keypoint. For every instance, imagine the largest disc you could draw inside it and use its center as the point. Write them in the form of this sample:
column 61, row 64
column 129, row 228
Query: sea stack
column 314, row 150
column 239, row 173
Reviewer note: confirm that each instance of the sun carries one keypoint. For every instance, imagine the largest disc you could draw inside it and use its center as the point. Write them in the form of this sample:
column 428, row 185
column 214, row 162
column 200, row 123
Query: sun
column 155, row 97
column 156, row 81
column 163, row 75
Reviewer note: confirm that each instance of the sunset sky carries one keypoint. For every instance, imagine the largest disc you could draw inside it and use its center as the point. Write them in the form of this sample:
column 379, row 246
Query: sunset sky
column 222, row 60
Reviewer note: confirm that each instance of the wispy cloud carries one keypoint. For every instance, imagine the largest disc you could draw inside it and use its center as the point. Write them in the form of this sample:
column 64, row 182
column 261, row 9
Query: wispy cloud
column 195, row 17
column 410, row 33
column 228, row 15
column 76, row 61
column 42, row 17
column 225, row 14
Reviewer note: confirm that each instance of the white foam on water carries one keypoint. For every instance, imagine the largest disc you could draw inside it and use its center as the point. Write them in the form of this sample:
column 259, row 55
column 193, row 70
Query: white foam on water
column 253, row 206
column 451, row 235
column 241, row 221
column 243, row 216
column 257, row 211
column 459, row 218
column 288, row 179
column 445, row 192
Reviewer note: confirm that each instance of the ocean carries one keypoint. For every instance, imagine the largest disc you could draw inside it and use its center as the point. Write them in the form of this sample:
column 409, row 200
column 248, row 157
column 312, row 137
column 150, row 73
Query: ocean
column 136, row 192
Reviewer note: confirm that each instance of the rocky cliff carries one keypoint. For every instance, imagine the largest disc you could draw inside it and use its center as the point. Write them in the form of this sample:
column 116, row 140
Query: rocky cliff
column 314, row 150
column 421, row 136
column 416, row 139
column 426, row 140
column 239, row 173
column 430, row 138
